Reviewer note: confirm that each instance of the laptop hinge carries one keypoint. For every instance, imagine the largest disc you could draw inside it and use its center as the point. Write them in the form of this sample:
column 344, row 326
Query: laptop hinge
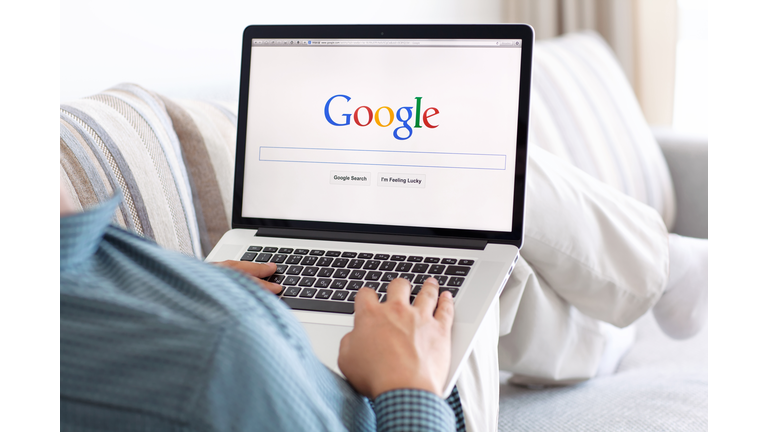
column 453, row 243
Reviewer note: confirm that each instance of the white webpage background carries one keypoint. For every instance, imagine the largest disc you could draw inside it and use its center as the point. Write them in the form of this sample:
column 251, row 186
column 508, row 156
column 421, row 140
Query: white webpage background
column 475, row 89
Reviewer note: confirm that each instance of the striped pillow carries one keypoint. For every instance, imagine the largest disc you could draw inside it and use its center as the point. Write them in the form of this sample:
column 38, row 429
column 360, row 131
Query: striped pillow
column 173, row 161
column 584, row 110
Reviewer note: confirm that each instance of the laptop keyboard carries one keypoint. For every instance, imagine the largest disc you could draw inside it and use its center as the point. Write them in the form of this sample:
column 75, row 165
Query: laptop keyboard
column 328, row 281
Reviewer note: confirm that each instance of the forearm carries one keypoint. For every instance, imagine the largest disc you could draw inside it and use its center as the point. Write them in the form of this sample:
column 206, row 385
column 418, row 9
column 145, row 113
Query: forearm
column 406, row 410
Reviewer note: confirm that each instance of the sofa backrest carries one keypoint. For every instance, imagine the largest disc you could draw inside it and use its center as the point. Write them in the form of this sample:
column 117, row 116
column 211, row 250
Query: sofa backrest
column 173, row 162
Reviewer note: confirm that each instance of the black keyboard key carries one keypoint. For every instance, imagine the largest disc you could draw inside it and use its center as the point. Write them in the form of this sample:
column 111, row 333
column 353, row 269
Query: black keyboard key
column 454, row 291
column 323, row 283
column 309, row 260
column 388, row 277
column 441, row 280
column 398, row 258
column 436, row 269
column 339, row 284
column 270, row 249
column 381, row 257
column 310, row 271
column 333, row 253
column 355, row 285
column 291, row 292
column 466, row 262
column 264, row 257
column 324, row 294
column 404, row 267
column 291, row 280
column 408, row 276
column 287, row 251
column 412, row 299
column 416, row 289
column 325, row 272
column 388, row 266
column 448, row 261
column 415, row 259
column 308, row 292
column 293, row 259
column 339, row 295
column 279, row 258
column 319, row 305
column 384, row 298
column 357, row 274
column 317, row 252
column 281, row 268
column 355, row 263
column 383, row 287
column 294, row 270
column 349, row 254
column 301, row 251
column 455, row 281
column 248, row 256
column 431, row 260
column 373, row 275
column 276, row 278
column 352, row 296
column 371, row 265
column 340, row 262
column 324, row 262
column 365, row 256
column 420, row 268
column 457, row 271
column 254, row 248
column 372, row 285
column 307, row 281
column 341, row 273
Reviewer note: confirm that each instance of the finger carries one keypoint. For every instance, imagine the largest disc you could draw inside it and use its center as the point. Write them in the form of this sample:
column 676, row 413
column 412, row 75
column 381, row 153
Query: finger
column 270, row 286
column 445, row 310
column 399, row 290
column 426, row 299
column 365, row 300
column 250, row 268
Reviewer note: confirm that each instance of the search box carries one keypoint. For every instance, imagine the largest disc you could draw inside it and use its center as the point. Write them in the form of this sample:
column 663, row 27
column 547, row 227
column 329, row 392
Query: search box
column 384, row 158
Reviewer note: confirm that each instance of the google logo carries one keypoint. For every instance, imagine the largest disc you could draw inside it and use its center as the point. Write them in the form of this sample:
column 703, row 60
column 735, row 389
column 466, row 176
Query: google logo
column 367, row 114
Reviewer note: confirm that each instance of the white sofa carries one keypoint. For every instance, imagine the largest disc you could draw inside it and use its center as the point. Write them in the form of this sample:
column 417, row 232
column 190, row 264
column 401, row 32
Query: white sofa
column 173, row 160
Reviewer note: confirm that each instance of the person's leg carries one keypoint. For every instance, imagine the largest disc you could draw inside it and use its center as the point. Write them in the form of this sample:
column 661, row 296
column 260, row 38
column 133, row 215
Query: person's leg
column 478, row 382
column 591, row 256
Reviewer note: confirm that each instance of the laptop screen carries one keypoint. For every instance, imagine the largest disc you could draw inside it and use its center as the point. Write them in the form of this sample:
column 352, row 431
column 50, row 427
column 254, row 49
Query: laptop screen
column 397, row 132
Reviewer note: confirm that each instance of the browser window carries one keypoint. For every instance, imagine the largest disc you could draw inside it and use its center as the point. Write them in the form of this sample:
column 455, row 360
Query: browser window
column 390, row 132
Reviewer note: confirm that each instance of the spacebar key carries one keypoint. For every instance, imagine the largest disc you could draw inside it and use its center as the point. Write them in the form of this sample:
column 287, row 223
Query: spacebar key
column 319, row 306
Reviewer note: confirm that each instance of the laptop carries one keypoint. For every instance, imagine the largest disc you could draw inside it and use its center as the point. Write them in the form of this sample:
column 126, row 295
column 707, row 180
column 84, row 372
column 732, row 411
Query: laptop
column 369, row 152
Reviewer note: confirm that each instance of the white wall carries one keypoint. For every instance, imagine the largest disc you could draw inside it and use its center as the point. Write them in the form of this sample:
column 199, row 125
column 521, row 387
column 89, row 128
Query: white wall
column 192, row 48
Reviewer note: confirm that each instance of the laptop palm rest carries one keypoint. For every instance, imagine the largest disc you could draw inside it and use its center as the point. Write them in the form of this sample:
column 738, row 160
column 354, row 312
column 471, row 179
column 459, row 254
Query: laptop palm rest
column 325, row 339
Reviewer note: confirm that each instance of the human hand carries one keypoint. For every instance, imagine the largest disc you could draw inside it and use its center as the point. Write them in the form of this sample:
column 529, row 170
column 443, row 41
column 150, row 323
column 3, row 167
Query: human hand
column 259, row 272
column 394, row 345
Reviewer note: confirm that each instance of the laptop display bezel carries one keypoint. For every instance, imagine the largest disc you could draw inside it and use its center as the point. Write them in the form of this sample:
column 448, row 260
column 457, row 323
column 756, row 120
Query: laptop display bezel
column 438, row 31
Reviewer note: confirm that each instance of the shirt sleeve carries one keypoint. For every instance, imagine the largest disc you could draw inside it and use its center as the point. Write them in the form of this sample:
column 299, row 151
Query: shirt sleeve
column 406, row 410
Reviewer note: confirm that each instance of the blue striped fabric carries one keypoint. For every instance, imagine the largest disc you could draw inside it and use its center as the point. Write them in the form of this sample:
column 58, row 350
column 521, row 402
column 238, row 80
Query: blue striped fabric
column 583, row 109
column 155, row 340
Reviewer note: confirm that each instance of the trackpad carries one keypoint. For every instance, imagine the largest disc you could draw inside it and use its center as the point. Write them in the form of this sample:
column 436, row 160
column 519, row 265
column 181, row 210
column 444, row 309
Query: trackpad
column 325, row 339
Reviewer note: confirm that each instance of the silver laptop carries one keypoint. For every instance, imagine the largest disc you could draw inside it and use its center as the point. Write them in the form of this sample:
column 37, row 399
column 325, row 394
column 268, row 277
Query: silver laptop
column 370, row 152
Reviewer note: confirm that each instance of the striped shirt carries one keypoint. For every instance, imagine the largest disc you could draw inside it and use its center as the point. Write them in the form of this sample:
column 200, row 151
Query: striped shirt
column 155, row 340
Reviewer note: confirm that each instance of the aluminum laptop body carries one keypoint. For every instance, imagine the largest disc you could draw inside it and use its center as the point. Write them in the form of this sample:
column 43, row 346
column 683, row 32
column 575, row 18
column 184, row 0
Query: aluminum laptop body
column 401, row 141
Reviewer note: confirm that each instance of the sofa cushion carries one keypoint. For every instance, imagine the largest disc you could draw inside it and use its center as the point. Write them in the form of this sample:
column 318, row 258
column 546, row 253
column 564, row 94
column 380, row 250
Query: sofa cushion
column 584, row 110
column 176, row 192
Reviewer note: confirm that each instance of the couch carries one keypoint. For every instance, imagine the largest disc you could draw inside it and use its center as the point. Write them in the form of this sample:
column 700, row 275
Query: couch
column 173, row 161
